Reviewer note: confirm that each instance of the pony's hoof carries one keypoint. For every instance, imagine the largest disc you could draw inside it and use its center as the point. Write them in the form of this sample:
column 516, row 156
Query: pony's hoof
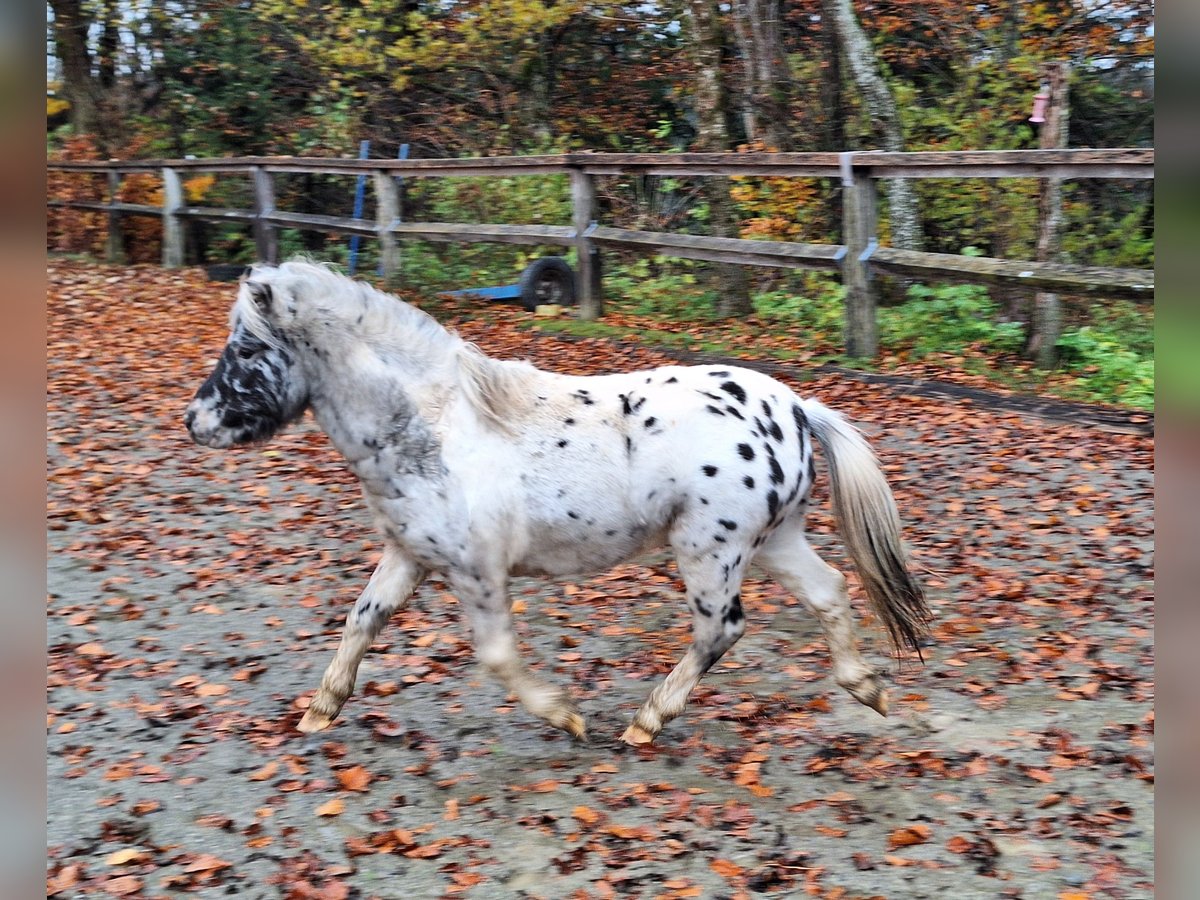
column 869, row 691
column 880, row 705
column 315, row 721
column 573, row 724
column 637, row 736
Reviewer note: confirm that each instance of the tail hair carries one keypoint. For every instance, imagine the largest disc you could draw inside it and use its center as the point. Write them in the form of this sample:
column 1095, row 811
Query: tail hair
column 870, row 525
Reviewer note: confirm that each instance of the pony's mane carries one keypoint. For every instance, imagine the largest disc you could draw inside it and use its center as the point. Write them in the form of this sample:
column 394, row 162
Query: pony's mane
column 343, row 311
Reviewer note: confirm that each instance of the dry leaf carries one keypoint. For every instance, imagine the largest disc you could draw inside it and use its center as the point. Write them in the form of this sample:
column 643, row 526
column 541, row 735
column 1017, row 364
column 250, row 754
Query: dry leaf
column 908, row 835
column 586, row 815
column 122, row 857
column 265, row 772
column 725, row 868
column 356, row 778
column 126, row 884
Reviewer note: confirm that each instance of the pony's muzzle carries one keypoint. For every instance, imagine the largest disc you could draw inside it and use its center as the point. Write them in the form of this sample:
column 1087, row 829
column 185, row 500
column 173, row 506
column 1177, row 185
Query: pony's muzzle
column 204, row 426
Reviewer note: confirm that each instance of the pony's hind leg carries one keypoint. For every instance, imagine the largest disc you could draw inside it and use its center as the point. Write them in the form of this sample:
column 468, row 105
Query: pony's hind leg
column 713, row 581
column 790, row 560
column 389, row 589
column 490, row 611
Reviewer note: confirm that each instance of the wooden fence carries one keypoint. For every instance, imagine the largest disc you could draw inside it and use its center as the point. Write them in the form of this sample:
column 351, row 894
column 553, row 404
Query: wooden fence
column 858, row 172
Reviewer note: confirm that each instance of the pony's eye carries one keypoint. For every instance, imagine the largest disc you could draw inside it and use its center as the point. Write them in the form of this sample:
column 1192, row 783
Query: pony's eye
column 246, row 353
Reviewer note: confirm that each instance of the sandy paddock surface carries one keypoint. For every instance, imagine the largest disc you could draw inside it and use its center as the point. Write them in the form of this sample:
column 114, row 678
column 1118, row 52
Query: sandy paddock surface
column 195, row 597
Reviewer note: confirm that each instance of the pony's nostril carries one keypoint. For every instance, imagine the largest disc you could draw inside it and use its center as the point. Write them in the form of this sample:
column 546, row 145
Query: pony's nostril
column 188, row 418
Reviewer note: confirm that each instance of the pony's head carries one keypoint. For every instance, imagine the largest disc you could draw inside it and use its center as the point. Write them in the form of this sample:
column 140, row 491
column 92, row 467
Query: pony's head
column 256, row 387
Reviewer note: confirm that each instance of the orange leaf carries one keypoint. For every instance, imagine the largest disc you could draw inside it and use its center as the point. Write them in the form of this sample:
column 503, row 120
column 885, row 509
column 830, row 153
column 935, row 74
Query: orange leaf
column 725, row 868
column 586, row 815
column 958, row 844
column 128, row 855
column 64, row 880
column 356, row 778
column 206, row 862
column 332, row 807
column 907, row 836
column 544, row 787
column 265, row 772
column 212, row 690
column 126, row 884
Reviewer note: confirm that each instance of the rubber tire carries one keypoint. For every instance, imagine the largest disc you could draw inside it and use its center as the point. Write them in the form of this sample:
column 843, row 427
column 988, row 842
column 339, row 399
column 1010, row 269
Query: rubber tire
column 547, row 280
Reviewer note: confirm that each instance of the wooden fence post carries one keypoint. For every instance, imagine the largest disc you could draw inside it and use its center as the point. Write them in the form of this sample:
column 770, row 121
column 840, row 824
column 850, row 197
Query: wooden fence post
column 859, row 229
column 588, row 291
column 115, row 248
column 1047, row 319
column 387, row 211
column 173, row 235
column 266, row 236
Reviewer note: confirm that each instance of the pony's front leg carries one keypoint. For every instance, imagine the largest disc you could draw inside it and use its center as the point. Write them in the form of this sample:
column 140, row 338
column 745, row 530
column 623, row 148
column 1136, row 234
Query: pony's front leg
column 389, row 589
column 490, row 611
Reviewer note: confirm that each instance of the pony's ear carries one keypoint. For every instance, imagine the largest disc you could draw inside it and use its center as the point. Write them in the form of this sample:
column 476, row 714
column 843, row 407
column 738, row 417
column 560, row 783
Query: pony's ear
column 261, row 294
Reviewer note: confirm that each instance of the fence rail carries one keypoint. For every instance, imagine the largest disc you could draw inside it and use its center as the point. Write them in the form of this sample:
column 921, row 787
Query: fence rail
column 858, row 173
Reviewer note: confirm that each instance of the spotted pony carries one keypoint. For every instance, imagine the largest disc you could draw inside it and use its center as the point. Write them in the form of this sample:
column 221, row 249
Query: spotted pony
column 481, row 469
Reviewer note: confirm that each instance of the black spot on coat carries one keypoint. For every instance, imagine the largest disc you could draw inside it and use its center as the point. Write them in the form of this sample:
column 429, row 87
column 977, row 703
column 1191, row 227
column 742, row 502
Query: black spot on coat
column 736, row 390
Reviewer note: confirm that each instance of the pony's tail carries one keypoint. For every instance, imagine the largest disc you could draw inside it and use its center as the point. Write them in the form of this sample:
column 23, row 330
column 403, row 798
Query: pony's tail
column 870, row 526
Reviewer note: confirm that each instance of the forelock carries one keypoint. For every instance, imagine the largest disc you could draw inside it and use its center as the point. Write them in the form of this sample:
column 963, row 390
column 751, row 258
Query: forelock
column 247, row 313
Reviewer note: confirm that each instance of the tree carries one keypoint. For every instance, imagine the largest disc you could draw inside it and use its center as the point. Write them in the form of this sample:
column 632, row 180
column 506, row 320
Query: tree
column 880, row 107
column 79, row 83
column 766, row 78
column 712, row 115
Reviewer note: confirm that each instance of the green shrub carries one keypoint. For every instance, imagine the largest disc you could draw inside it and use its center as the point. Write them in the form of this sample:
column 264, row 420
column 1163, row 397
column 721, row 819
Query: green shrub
column 948, row 319
column 1108, row 369
column 818, row 309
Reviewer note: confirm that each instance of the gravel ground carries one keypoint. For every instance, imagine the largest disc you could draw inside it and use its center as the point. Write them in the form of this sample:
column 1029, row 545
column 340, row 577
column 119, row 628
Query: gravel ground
column 195, row 598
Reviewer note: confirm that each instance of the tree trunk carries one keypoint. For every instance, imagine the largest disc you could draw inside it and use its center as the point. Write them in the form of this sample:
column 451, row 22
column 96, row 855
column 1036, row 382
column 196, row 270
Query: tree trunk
column 1046, row 326
column 712, row 111
column 767, row 93
column 833, row 132
column 833, row 105
column 79, row 85
column 877, row 99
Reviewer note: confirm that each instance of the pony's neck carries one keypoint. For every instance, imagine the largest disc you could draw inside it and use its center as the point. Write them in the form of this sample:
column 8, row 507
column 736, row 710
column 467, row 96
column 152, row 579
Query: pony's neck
column 378, row 370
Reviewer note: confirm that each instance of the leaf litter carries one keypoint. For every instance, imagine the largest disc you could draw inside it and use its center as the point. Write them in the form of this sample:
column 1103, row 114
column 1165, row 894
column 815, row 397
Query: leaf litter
column 194, row 598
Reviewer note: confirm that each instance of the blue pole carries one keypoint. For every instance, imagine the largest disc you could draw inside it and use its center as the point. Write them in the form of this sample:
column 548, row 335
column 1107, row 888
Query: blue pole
column 359, row 189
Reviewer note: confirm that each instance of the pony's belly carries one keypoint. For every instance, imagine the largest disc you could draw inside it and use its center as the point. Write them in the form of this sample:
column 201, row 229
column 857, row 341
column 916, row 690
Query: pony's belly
column 596, row 552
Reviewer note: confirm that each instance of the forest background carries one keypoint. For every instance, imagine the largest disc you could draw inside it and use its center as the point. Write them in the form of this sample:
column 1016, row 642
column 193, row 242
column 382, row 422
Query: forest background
column 135, row 79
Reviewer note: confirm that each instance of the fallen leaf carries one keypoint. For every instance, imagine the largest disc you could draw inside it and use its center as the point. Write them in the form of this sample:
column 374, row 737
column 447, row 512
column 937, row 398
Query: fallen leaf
column 265, row 772
column 206, row 862
column 725, row 868
column 125, row 884
column 332, row 807
column 122, row 857
column 356, row 778
column 908, row 835
column 586, row 815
